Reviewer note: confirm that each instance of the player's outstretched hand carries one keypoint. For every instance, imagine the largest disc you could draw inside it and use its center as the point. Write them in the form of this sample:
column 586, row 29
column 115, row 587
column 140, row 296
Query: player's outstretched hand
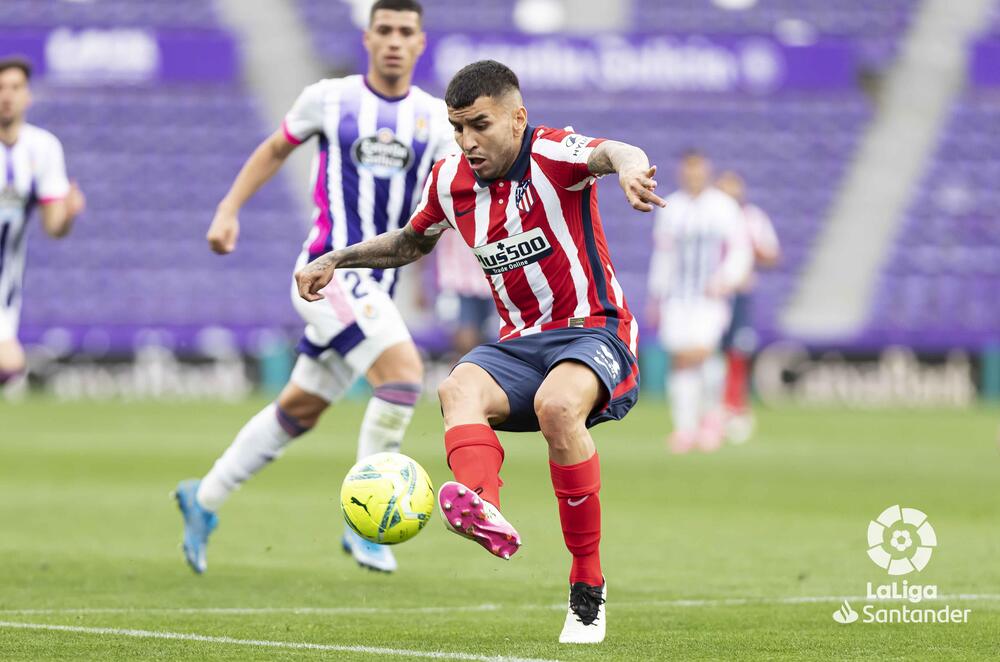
column 223, row 232
column 314, row 277
column 640, row 187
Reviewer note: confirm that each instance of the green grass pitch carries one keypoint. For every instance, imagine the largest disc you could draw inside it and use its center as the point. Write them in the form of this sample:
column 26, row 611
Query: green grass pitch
column 743, row 554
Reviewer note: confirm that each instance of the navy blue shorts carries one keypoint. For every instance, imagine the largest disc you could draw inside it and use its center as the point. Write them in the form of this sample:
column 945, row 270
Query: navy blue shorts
column 521, row 364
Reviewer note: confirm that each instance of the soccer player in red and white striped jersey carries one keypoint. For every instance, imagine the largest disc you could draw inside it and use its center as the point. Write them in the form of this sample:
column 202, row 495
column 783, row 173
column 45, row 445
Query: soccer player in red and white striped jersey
column 523, row 199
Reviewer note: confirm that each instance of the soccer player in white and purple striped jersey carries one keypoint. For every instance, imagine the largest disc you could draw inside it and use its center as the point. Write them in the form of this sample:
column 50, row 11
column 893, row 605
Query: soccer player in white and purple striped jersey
column 32, row 173
column 378, row 137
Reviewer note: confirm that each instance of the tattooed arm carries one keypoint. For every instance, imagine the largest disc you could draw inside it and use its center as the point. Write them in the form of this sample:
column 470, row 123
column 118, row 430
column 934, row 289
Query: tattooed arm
column 386, row 251
column 634, row 172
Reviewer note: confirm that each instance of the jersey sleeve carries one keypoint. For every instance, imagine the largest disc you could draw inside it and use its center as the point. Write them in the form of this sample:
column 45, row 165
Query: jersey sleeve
column 429, row 218
column 305, row 118
column 737, row 264
column 563, row 155
column 51, row 180
column 762, row 234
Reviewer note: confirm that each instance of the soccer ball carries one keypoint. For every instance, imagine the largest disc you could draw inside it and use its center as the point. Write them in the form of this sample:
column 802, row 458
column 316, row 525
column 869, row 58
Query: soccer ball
column 387, row 498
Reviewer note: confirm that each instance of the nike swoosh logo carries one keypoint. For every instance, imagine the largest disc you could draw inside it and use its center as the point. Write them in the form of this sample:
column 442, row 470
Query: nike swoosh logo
column 467, row 211
column 578, row 501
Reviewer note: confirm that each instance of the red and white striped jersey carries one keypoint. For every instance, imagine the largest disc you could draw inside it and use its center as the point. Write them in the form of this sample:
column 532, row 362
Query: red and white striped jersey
column 536, row 233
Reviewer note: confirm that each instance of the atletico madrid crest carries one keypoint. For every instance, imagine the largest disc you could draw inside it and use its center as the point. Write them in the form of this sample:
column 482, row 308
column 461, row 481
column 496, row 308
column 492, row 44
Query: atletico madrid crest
column 523, row 197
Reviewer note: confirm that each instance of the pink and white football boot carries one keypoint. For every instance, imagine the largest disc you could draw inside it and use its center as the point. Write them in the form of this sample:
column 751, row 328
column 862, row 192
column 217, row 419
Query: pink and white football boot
column 472, row 517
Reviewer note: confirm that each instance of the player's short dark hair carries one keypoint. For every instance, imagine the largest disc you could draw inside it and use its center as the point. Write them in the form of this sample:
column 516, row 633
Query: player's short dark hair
column 693, row 153
column 486, row 78
column 396, row 5
column 16, row 62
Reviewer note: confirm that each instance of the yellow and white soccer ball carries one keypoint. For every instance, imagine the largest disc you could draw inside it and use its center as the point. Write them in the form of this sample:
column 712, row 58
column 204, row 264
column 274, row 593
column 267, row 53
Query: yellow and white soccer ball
column 387, row 498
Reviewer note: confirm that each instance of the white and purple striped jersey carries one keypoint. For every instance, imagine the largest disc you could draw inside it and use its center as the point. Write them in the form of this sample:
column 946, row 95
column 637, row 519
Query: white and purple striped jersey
column 700, row 244
column 32, row 171
column 374, row 154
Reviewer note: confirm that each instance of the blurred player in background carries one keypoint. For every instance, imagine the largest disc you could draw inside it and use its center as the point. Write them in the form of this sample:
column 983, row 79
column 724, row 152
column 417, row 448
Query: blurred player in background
column 701, row 254
column 523, row 199
column 32, row 172
column 460, row 277
column 377, row 136
column 740, row 339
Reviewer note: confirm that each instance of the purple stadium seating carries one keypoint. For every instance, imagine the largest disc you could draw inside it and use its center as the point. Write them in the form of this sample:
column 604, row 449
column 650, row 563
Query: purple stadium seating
column 172, row 13
column 153, row 164
column 877, row 25
column 940, row 285
column 155, row 161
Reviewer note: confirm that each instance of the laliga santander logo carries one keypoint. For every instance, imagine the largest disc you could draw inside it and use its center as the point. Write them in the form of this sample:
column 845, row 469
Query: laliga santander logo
column 901, row 540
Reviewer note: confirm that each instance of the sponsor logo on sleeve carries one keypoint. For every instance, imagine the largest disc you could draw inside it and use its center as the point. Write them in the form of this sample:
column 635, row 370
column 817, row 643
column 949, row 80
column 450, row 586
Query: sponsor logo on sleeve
column 576, row 143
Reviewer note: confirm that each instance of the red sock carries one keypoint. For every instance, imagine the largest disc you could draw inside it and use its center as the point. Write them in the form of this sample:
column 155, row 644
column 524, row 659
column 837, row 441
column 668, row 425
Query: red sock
column 737, row 372
column 577, row 487
column 475, row 457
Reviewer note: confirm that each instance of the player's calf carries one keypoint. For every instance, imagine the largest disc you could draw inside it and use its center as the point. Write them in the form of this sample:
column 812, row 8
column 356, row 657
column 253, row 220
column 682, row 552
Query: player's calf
column 260, row 442
column 387, row 417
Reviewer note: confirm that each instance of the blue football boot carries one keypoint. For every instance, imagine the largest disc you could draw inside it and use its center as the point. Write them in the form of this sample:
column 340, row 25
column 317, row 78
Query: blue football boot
column 198, row 524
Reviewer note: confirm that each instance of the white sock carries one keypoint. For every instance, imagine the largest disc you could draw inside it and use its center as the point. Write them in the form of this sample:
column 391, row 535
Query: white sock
column 685, row 393
column 713, row 379
column 261, row 441
column 388, row 415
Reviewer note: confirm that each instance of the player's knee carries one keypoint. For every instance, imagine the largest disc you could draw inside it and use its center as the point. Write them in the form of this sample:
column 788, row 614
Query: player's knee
column 409, row 372
column 556, row 413
column 398, row 364
column 689, row 358
column 304, row 408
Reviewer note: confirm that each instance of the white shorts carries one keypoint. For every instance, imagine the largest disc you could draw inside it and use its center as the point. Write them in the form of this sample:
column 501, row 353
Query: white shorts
column 688, row 324
column 346, row 331
column 8, row 322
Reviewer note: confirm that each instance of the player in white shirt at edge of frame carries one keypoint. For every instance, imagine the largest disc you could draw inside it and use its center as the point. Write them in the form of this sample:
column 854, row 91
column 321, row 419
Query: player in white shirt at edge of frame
column 701, row 255
column 32, row 173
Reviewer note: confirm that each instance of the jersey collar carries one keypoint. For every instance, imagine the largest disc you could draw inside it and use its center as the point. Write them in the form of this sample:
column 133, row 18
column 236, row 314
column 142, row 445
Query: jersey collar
column 382, row 96
column 520, row 167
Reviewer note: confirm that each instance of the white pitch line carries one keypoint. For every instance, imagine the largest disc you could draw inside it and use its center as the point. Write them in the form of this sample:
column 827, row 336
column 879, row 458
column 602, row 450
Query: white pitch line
column 250, row 611
column 333, row 611
column 795, row 600
column 261, row 643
